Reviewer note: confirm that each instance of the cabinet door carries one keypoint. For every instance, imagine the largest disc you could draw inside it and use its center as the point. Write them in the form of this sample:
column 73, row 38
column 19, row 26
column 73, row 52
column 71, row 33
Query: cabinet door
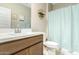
column 23, row 52
column 36, row 49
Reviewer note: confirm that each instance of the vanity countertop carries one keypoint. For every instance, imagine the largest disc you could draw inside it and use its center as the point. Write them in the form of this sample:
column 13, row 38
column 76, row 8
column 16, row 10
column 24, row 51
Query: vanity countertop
column 14, row 36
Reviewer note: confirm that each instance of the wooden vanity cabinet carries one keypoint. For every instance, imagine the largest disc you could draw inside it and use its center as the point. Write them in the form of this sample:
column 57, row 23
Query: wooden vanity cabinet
column 36, row 49
column 25, row 46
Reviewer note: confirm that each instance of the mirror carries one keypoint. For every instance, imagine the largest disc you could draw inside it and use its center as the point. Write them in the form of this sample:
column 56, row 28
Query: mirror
column 14, row 15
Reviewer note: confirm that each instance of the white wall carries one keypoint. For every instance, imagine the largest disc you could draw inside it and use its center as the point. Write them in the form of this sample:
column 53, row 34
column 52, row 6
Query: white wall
column 38, row 24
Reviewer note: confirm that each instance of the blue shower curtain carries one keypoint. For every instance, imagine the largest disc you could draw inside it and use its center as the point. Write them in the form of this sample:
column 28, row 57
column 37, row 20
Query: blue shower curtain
column 75, row 10
column 63, row 27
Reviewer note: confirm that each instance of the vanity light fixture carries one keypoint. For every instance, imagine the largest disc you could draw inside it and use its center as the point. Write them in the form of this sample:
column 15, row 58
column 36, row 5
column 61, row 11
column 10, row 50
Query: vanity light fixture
column 41, row 13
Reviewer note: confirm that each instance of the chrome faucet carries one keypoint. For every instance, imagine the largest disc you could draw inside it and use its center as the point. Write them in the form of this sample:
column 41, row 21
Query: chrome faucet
column 17, row 30
column 17, row 26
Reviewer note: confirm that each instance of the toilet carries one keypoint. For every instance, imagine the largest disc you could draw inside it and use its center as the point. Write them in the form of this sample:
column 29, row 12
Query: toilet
column 50, row 48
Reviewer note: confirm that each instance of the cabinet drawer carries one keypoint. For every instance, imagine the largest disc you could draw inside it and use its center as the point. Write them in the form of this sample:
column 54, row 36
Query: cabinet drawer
column 36, row 49
column 23, row 52
column 14, row 46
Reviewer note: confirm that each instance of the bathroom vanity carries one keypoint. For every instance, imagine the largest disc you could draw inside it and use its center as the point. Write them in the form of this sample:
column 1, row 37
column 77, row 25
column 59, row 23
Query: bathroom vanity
column 16, row 36
column 31, row 44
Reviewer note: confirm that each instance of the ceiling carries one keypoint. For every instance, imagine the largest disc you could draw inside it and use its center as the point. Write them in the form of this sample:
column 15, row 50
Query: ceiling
column 26, row 4
column 29, row 4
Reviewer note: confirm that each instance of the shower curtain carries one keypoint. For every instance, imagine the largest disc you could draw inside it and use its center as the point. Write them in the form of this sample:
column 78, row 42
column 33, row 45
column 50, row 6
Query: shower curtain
column 63, row 27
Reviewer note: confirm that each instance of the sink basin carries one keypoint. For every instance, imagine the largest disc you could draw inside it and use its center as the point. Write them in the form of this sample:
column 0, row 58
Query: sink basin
column 21, row 34
column 14, row 34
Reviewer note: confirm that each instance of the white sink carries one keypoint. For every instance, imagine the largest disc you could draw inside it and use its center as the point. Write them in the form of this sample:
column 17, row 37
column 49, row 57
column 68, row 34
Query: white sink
column 20, row 34
column 7, row 35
